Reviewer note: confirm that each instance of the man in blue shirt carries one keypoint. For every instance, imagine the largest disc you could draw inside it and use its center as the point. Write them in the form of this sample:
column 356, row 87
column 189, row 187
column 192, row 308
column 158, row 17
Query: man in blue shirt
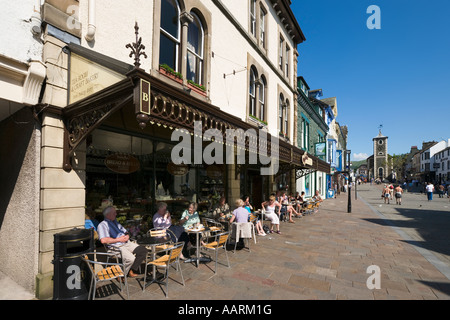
column 112, row 234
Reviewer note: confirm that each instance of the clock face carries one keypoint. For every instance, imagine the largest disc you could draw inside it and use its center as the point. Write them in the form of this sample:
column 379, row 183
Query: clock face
column 380, row 148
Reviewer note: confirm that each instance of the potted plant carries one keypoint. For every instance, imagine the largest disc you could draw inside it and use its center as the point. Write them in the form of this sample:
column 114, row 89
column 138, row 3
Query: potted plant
column 200, row 89
column 257, row 119
column 283, row 134
column 170, row 73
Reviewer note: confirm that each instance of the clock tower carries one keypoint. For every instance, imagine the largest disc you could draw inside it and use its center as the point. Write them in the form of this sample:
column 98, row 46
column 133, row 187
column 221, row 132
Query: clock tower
column 380, row 157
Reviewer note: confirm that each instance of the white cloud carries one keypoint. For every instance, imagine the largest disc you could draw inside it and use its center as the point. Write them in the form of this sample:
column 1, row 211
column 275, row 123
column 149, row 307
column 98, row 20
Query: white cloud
column 360, row 156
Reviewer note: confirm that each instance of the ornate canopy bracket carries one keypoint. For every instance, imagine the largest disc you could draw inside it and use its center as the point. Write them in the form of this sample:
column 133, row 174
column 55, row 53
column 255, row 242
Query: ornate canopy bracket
column 79, row 126
column 303, row 172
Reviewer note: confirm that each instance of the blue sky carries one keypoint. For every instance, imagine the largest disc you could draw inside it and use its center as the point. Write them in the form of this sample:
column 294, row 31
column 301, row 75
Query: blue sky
column 396, row 76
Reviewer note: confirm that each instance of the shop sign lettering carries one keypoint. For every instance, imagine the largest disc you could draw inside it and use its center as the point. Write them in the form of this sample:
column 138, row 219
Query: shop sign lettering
column 87, row 78
column 122, row 163
column 177, row 169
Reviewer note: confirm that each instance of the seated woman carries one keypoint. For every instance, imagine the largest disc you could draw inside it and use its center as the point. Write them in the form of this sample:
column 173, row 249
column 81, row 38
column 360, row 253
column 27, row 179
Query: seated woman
column 284, row 200
column 163, row 220
column 270, row 213
column 190, row 216
column 240, row 214
column 257, row 222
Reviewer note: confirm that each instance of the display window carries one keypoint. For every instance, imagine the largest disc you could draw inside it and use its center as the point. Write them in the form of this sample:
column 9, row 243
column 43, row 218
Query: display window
column 134, row 173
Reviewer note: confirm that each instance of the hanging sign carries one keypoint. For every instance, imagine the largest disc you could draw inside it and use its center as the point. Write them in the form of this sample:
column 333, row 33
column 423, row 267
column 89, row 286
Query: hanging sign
column 177, row 169
column 122, row 163
column 321, row 149
column 142, row 97
column 214, row 171
column 307, row 160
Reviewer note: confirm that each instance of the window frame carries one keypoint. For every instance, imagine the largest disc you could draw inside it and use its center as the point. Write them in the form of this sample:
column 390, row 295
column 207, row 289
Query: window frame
column 200, row 79
column 252, row 97
column 177, row 41
column 253, row 18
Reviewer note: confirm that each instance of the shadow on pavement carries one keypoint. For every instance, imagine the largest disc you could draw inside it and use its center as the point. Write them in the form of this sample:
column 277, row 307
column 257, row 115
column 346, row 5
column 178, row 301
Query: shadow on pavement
column 432, row 225
column 439, row 286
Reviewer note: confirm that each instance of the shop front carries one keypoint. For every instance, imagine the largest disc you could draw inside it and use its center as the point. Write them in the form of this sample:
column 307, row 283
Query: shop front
column 131, row 132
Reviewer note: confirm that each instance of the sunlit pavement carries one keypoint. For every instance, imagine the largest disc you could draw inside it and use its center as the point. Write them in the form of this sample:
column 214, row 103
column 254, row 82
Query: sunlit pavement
column 331, row 256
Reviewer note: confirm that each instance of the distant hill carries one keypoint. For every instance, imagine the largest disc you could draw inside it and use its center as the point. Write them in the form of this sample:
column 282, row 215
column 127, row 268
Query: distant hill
column 356, row 164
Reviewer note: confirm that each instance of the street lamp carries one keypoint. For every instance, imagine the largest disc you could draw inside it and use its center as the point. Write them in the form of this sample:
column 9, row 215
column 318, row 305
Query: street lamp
column 349, row 203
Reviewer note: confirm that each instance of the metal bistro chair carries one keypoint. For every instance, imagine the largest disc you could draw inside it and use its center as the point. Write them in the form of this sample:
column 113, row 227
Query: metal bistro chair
column 283, row 213
column 109, row 271
column 163, row 233
column 213, row 225
column 170, row 258
column 316, row 206
column 220, row 241
column 309, row 208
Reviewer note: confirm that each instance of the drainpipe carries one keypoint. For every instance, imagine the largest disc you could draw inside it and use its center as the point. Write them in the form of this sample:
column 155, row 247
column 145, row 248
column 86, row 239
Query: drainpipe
column 90, row 35
column 36, row 19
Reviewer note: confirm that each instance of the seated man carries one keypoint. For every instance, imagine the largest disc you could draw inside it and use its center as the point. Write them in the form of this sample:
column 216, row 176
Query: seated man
column 112, row 234
column 221, row 210
column 317, row 197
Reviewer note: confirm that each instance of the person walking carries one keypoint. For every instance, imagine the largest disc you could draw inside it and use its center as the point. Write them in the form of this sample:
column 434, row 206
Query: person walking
column 398, row 194
column 430, row 189
column 386, row 194
column 441, row 191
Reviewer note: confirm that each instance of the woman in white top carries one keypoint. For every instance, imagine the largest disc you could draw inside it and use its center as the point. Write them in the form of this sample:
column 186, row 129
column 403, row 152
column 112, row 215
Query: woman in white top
column 269, row 207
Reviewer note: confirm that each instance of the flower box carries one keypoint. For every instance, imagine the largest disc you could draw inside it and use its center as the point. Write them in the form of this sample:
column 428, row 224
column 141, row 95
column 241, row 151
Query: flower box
column 170, row 73
column 196, row 88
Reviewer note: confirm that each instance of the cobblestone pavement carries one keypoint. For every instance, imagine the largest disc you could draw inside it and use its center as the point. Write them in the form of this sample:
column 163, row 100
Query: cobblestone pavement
column 326, row 256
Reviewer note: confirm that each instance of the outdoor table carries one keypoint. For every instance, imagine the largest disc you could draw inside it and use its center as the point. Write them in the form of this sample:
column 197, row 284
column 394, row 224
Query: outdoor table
column 197, row 232
column 152, row 242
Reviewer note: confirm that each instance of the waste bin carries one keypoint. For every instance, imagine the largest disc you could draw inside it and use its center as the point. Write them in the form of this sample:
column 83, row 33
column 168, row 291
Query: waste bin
column 71, row 278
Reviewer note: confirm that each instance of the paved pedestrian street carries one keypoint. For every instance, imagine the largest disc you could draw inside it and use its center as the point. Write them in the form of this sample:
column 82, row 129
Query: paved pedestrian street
column 333, row 255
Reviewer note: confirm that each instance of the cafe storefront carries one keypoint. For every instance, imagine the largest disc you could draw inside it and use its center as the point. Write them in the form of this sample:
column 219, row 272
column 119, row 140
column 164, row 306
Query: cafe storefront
column 124, row 121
